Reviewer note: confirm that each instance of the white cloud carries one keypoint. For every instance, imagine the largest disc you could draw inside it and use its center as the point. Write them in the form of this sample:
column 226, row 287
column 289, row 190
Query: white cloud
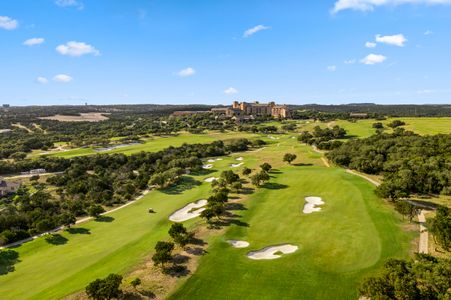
column 396, row 40
column 62, row 78
column 370, row 45
column 254, row 30
column 42, row 80
column 186, row 72
column 76, row 49
column 331, row 68
column 369, row 5
column 231, row 91
column 428, row 32
column 33, row 41
column 68, row 3
column 8, row 23
column 350, row 61
column 373, row 59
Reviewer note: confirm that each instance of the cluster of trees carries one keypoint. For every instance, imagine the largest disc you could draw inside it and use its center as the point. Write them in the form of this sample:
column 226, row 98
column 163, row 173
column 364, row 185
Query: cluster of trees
column 262, row 176
column 440, row 227
column 89, row 183
column 425, row 278
column 105, row 288
column 323, row 138
column 411, row 164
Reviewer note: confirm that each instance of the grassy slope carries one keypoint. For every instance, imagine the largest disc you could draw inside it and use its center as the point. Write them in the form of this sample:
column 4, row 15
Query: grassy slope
column 351, row 237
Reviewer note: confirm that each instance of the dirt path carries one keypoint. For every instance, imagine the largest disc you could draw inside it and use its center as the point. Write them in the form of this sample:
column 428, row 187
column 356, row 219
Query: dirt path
column 424, row 236
column 18, row 125
column 326, row 163
column 77, row 222
column 376, row 183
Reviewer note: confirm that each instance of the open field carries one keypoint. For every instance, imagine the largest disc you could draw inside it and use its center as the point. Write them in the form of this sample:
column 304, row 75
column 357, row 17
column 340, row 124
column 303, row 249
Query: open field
column 349, row 238
column 83, row 117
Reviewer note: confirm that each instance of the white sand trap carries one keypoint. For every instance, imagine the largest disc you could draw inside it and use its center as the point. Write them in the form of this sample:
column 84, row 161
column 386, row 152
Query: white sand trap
column 210, row 179
column 270, row 252
column 236, row 165
column 238, row 244
column 190, row 211
column 209, row 166
column 239, row 158
column 311, row 203
column 213, row 160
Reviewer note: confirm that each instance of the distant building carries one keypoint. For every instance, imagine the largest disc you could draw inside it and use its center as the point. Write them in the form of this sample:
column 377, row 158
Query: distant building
column 6, row 105
column 241, row 109
column 8, row 187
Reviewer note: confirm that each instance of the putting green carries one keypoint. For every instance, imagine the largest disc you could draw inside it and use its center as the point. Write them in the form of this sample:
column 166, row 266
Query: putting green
column 351, row 237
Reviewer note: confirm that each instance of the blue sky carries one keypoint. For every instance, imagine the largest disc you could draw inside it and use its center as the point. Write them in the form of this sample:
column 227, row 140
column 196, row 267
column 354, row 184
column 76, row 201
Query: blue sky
column 216, row 51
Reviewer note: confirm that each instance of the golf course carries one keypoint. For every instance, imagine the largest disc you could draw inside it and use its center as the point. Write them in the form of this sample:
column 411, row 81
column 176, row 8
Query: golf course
column 350, row 237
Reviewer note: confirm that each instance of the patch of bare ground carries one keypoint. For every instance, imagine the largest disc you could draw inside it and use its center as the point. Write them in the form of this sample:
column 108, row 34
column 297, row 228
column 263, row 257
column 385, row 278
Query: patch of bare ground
column 83, row 117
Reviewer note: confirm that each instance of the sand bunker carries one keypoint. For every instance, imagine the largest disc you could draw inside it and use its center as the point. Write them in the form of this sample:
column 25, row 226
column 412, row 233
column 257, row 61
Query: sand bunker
column 238, row 244
column 272, row 252
column 209, row 166
column 210, row 179
column 273, row 138
column 190, row 211
column 311, row 203
column 213, row 160
column 239, row 158
column 236, row 165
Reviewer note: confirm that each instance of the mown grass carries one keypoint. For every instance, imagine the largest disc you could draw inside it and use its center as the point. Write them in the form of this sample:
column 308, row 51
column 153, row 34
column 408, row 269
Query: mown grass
column 350, row 238
column 157, row 143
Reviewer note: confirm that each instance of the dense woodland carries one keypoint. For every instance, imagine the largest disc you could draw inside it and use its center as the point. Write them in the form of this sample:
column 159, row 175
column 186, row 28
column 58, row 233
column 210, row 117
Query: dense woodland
column 410, row 163
column 88, row 183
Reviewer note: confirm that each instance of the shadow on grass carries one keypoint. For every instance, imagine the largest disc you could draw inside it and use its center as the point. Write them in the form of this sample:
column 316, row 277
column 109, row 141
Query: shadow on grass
column 274, row 186
column 235, row 206
column 106, row 219
column 8, row 258
column 247, row 191
column 79, row 230
column 138, row 295
column 56, row 239
column 302, row 165
column 275, row 171
column 186, row 183
column 176, row 271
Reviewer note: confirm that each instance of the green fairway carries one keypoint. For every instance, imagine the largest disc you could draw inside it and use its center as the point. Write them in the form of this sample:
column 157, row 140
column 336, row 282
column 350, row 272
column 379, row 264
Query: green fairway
column 156, row 143
column 351, row 237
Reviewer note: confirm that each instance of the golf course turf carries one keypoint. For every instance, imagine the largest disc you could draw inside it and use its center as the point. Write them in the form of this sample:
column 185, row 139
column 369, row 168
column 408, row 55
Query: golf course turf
column 349, row 238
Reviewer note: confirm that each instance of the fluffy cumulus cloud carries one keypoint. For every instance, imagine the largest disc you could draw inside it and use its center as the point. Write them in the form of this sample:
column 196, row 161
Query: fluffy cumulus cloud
column 373, row 59
column 396, row 40
column 33, row 41
column 370, row 45
column 331, row 68
column 231, row 91
column 69, row 3
column 42, row 80
column 64, row 78
column 186, row 72
column 76, row 49
column 8, row 23
column 254, row 30
column 369, row 5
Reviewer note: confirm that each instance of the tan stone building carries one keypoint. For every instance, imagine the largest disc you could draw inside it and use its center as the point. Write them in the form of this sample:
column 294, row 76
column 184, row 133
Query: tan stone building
column 240, row 109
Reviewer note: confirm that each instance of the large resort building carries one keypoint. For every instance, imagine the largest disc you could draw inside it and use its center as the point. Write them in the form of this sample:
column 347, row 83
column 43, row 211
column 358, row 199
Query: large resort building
column 255, row 109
